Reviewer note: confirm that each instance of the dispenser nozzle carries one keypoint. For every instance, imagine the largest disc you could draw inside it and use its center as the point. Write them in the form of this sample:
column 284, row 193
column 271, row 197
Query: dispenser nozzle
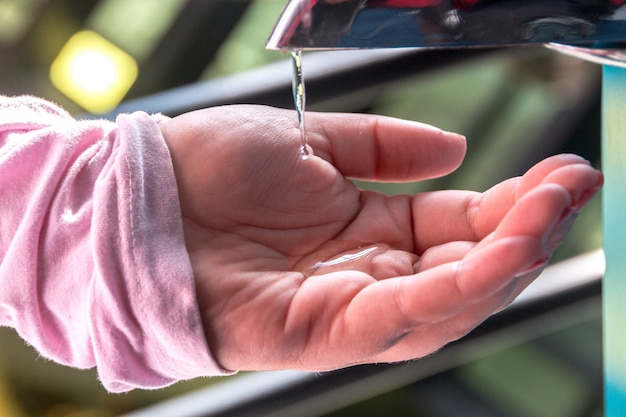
column 362, row 24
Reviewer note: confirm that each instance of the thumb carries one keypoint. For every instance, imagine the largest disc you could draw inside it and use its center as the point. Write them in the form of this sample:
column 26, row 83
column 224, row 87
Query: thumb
column 370, row 147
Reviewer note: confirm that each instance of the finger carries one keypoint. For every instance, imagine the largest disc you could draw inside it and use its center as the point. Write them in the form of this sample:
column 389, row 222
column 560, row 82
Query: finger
column 433, row 336
column 387, row 310
column 537, row 214
column 445, row 216
column 370, row 147
column 542, row 213
column 473, row 216
column 581, row 184
column 571, row 172
column 550, row 208
column 444, row 253
column 520, row 285
column 459, row 215
column 538, row 173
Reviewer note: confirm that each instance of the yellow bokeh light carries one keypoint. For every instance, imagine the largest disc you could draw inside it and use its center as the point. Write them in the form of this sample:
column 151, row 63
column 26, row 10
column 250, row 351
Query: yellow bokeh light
column 93, row 72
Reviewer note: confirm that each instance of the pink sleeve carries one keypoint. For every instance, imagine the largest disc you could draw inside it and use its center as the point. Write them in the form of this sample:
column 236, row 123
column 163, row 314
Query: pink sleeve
column 93, row 267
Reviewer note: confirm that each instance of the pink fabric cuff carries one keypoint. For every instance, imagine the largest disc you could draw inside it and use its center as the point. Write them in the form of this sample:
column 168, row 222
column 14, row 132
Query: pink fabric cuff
column 94, row 270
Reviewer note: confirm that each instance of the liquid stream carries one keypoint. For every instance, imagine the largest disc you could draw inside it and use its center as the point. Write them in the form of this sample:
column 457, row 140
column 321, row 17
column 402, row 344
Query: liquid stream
column 299, row 99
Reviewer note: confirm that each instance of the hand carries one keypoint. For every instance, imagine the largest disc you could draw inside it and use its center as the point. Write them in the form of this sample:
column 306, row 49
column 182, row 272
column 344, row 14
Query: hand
column 296, row 268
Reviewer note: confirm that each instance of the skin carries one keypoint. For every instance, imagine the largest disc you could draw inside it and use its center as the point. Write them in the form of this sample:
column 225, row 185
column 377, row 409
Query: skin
column 296, row 268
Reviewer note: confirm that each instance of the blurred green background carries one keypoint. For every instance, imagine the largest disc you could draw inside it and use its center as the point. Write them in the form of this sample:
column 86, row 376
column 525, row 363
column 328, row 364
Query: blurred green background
column 506, row 103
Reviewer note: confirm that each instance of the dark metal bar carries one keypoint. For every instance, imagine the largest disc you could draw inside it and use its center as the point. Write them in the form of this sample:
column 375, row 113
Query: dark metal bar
column 327, row 76
column 189, row 45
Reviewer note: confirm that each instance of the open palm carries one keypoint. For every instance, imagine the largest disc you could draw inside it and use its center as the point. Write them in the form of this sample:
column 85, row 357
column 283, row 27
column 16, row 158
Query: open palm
column 296, row 268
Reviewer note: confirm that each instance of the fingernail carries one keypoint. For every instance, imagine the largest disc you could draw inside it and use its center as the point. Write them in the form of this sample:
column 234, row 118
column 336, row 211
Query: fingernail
column 587, row 195
column 540, row 263
column 454, row 136
column 561, row 230
column 567, row 213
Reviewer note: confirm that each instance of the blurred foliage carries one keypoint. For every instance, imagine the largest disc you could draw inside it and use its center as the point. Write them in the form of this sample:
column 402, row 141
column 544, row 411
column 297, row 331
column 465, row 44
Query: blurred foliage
column 549, row 377
column 503, row 103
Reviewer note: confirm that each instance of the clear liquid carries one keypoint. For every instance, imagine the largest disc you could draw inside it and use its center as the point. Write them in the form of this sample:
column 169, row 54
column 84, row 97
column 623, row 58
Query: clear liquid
column 346, row 258
column 299, row 99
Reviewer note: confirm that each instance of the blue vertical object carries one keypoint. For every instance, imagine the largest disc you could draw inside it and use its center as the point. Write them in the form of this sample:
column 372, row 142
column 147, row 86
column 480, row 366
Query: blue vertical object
column 614, row 206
